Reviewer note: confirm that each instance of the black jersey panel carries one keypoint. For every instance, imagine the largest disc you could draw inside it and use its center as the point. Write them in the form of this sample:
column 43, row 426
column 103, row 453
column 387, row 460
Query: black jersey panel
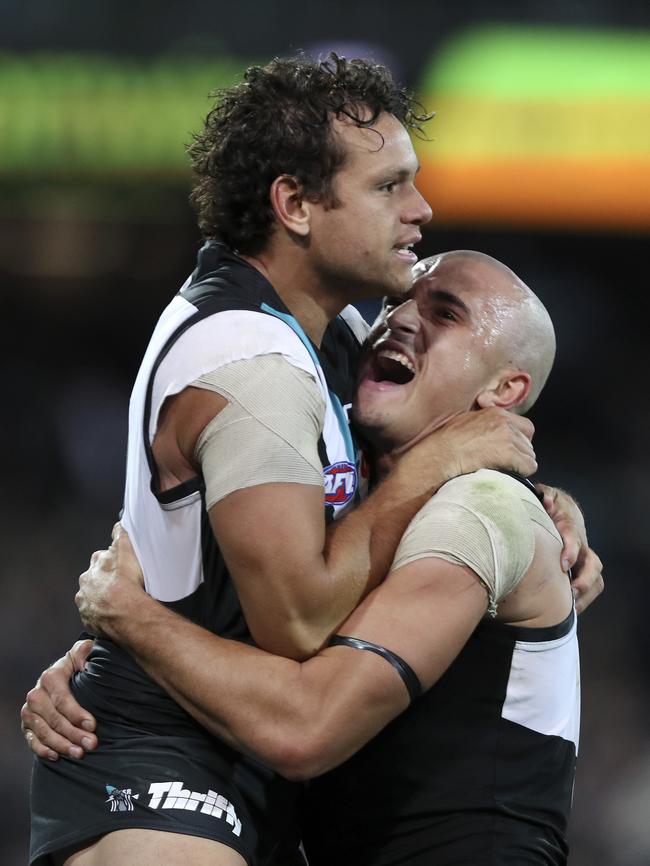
column 455, row 839
column 214, row 604
column 114, row 687
column 429, row 788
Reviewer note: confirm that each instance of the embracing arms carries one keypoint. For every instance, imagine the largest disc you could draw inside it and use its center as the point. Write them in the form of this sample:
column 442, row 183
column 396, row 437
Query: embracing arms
column 316, row 712
column 350, row 692
column 296, row 579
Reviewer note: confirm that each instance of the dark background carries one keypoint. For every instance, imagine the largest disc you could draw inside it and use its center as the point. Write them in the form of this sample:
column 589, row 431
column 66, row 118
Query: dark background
column 81, row 290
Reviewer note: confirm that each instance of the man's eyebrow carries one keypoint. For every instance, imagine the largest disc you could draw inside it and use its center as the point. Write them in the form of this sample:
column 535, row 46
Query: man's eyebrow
column 397, row 174
column 448, row 298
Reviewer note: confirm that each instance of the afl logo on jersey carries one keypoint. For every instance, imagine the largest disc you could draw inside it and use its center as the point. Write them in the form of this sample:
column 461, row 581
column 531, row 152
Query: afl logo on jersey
column 340, row 481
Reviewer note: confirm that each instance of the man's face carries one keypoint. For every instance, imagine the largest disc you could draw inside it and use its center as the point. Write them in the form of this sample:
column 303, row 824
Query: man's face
column 362, row 246
column 434, row 353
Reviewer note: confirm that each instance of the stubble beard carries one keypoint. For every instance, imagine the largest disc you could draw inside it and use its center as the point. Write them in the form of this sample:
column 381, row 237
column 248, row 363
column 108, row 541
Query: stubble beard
column 374, row 426
column 359, row 283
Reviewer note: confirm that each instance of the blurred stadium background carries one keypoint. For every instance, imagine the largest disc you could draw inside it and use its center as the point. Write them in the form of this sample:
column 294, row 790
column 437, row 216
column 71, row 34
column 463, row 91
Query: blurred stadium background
column 539, row 155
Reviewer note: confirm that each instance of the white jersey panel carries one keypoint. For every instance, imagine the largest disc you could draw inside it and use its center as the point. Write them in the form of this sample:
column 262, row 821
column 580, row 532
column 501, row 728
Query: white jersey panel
column 355, row 322
column 220, row 339
column 172, row 569
column 167, row 536
column 543, row 692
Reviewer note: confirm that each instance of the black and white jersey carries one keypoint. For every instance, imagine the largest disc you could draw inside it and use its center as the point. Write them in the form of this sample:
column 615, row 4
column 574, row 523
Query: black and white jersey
column 226, row 312
column 479, row 770
column 155, row 768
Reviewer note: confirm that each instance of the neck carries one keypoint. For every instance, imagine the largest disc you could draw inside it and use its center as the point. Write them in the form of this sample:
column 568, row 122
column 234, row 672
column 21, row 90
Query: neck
column 311, row 303
column 384, row 454
column 384, row 464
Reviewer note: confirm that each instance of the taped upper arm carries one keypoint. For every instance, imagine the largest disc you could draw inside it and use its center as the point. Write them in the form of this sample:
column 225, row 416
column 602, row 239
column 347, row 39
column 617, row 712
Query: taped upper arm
column 480, row 521
column 267, row 433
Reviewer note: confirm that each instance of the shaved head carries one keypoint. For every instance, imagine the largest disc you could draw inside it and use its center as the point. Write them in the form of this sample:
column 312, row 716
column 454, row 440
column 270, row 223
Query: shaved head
column 469, row 336
column 516, row 323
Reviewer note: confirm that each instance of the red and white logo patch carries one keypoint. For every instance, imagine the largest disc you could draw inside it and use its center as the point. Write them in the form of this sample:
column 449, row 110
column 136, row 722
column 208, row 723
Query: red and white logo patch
column 340, row 480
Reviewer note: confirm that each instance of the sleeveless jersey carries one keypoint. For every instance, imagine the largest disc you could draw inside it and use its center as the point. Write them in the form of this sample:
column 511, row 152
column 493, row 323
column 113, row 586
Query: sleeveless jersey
column 227, row 311
column 479, row 769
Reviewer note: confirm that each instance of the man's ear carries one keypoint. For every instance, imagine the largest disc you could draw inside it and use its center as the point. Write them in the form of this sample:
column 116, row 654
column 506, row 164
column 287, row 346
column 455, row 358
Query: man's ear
column 507, row 391
column 289, row 205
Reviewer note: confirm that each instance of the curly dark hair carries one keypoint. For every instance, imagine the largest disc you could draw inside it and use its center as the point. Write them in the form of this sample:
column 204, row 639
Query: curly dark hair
column 278, row 121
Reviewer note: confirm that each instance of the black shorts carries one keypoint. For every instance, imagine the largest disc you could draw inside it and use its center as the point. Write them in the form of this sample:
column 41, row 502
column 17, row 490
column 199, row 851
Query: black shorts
column 186, row 783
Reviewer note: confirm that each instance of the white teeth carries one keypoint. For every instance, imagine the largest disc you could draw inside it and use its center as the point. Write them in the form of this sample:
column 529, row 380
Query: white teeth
column 397, row 356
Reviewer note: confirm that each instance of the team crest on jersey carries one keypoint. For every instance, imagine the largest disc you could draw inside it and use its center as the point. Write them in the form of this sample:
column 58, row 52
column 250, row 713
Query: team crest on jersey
column 340, row 480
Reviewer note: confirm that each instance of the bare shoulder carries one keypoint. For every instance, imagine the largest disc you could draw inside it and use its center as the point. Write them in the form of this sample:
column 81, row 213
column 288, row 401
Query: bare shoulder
column 543, row 595
column 182, row 419
column 496, row 525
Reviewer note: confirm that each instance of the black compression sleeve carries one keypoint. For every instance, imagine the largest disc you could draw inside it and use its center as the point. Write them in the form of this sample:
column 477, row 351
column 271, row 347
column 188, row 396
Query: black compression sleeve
column 408, row 675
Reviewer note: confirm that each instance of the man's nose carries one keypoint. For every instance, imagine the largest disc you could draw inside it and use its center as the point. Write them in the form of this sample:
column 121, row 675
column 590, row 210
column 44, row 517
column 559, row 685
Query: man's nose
column 405, row 318
column 419, row 213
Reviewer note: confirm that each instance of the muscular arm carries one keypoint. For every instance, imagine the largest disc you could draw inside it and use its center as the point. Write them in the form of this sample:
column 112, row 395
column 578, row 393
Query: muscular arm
column 316, row 713
column 297, row 580
column 319, row 712
column 325, row 690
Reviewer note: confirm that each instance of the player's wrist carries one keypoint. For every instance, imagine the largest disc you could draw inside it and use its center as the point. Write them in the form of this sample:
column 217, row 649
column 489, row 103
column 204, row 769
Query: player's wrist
column 424, row 469
column 109, row 608
column 142, row 625
column 127, row 610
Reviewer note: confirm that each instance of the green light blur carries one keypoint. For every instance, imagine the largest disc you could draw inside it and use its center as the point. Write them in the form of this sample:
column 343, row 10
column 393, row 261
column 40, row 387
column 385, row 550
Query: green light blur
column 510, row 62
column 81, row 113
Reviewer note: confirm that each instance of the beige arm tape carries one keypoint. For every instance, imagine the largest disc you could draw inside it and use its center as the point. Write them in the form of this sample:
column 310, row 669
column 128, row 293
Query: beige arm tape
column 484, row 521
column 269, row 430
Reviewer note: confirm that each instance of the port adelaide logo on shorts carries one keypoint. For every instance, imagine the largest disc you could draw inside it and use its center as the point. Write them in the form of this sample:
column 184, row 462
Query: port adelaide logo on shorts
column 340, row 480
column 121, row 800
column 172, row 795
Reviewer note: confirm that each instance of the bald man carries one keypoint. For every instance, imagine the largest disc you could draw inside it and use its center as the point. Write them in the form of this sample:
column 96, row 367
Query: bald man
column 468, row 648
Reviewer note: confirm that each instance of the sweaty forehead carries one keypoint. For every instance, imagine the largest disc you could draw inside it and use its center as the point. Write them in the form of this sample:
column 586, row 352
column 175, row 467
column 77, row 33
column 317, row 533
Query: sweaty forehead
column 471, row 278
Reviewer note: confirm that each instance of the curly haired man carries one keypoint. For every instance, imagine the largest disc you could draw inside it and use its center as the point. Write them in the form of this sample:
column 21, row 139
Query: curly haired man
column 240, row 457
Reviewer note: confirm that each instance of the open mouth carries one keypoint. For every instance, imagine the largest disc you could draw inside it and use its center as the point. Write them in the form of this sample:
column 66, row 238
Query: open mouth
column 391, row 366
column 405, row 252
